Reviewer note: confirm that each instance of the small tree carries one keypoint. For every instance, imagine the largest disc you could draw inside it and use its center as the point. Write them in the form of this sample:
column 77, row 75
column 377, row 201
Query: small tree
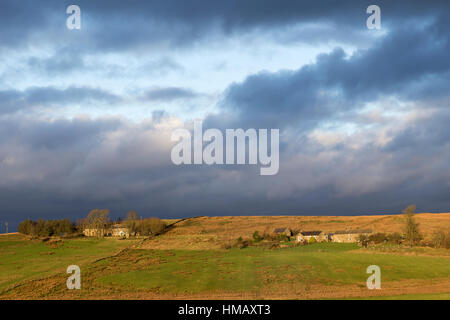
column 412, row 234
column 363, row 240
column 132, row 215
column 132, row 226
column 256, row 237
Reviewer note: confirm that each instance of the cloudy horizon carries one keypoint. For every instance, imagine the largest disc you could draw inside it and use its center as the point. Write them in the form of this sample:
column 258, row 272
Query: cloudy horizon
column 86, row 115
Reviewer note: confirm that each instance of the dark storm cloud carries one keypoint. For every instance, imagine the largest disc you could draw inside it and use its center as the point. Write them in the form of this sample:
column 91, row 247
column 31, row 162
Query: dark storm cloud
column 21, row 22
column 169, row 94
column 408, row 63
column 80, row 163
column 50, row 168
column 65, row 134
column 13, row 100
column 84, row 164
column 180, row 23
column 430, row 136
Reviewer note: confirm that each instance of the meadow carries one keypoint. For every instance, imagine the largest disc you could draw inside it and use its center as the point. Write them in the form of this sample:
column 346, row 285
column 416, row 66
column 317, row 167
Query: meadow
column 316, row 271
column 187, row 262
column 23, row 260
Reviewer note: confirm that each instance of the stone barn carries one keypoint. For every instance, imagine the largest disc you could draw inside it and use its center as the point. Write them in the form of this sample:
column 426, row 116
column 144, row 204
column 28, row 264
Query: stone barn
column 348, row 236
column 96, row 232
column 280, row 231
column 319, row 236
column 116, row 230
column 121, row 231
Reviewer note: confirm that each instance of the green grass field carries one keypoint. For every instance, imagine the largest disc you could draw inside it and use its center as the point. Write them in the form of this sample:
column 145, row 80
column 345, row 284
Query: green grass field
column 314, row 271
column 253, row 268
column 22, row 259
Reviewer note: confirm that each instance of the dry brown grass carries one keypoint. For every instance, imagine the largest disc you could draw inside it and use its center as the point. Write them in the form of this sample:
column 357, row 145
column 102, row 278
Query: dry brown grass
column 53, row 288
column 213, row 232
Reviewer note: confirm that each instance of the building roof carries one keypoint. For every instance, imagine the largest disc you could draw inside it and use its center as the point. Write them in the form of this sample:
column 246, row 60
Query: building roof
column 281, row 230
column 310, row 233
column 119, row 226
column 356, row 231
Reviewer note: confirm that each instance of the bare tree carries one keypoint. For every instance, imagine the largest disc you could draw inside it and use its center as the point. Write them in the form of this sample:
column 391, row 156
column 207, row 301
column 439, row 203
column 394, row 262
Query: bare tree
column 132, row 215
column 98, row 219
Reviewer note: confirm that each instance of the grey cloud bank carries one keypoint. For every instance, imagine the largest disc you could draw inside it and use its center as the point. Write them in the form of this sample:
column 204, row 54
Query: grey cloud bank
column 361, row 131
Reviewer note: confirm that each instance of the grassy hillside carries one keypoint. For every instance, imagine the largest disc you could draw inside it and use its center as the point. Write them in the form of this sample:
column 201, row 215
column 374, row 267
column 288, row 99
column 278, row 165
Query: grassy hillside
column 189, row 262
column 213, row 232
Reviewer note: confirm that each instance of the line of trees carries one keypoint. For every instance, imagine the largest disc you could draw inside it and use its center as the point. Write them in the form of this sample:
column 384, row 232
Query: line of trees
column 144, row 227
column 411, row 235
column 46, row 228
column 99, row 219
column 377, row 238
column 96, row 219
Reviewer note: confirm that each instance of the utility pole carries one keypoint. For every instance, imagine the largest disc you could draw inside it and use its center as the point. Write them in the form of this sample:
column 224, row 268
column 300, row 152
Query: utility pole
column 6, row 225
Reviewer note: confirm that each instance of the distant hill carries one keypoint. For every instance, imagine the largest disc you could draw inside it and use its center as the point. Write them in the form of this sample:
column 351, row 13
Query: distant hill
column 213, row 232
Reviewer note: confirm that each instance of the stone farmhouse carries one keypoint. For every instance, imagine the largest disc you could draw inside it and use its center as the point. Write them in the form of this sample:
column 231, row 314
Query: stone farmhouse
column 319, row 236
column 286, row 231
column 346, row 236
column 116, row 230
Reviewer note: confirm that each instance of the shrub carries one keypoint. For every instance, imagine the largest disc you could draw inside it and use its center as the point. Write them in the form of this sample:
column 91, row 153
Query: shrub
column 244, row 244
column 446, row 243
column 241, row 243
column 27, row 227
column 312, row 240
column 226, row 246
column 378, row 237
column 363, row 240
column 441, row 239
column 284, row 237
column 257, row 237
column 394, row 238
column 146, row 227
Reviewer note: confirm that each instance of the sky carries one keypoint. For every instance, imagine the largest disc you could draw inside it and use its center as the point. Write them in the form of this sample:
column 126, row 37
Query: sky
column 86, row 116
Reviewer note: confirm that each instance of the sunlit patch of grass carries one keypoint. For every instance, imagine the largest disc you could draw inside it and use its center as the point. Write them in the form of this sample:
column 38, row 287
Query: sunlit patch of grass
column 252, row 269
column 22, row 259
